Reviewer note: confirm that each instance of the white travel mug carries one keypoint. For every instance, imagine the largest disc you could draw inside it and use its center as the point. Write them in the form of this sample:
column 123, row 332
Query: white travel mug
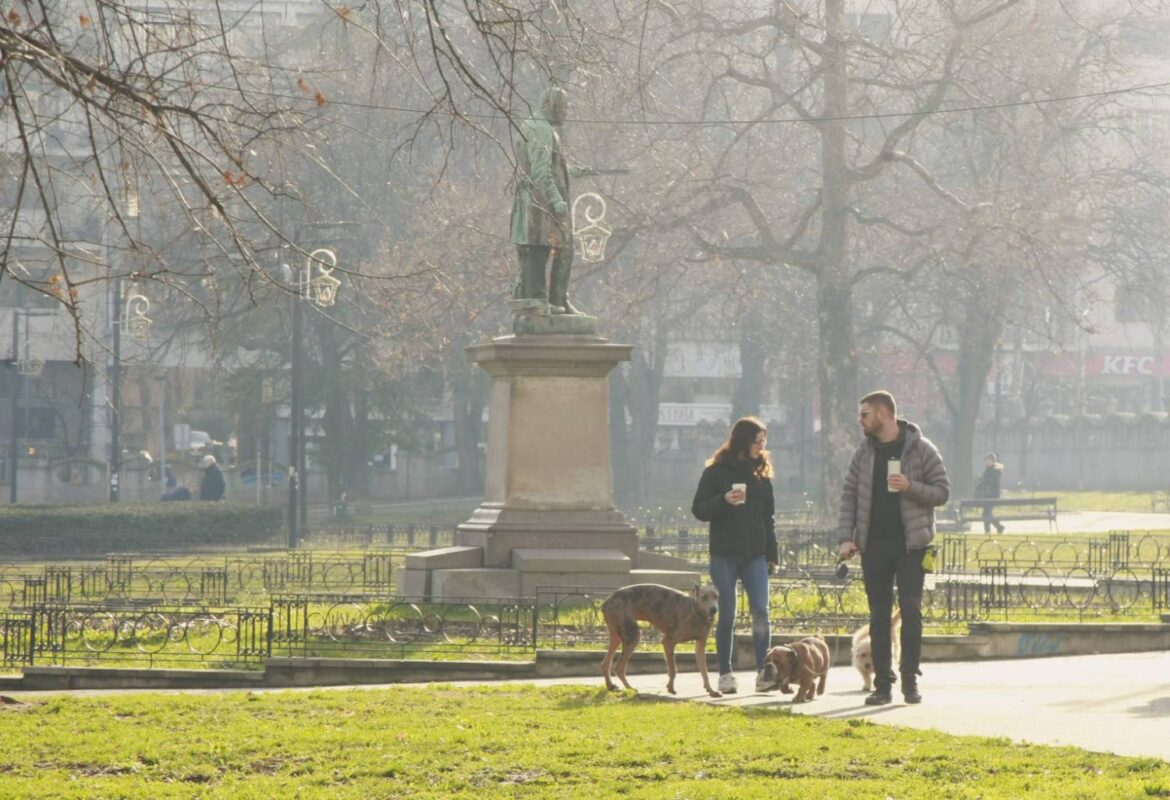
column 740, row 487
column 893, row 468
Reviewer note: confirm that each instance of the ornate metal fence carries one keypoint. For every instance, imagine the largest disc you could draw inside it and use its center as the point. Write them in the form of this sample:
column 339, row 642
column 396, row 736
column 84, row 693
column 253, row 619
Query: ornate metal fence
column 384, row 626
column 295, row 625
column 380, row 625
column 811, row 551
column 196, row 581
column 237, row 609
column 571, row 617
column 16, row 639
column 1161, row 589
column 149, row 635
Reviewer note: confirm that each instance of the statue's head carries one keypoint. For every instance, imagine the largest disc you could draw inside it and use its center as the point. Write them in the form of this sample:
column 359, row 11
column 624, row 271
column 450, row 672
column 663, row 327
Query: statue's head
column 554, row 104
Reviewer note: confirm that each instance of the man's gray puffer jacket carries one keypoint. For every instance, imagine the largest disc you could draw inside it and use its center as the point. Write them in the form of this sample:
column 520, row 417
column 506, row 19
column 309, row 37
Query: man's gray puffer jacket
column 929, row 487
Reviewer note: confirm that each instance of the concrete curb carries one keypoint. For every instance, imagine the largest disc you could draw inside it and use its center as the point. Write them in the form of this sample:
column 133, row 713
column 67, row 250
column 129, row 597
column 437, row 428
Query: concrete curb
column 289, row 672
column 60, row 678
column 986, row 640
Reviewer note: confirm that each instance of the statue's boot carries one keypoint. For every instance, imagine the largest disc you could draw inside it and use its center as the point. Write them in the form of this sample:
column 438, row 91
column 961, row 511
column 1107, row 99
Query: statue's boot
column 563, row 306
column 558, row 286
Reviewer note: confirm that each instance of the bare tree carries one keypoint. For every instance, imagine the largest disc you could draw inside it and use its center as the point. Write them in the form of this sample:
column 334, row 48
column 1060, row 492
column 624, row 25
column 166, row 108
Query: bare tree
column 163, row 142
column 836, row 99
column 1016, row 193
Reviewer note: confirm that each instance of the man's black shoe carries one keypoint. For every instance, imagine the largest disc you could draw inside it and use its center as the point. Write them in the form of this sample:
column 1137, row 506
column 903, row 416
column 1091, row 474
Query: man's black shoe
column 910, row 692
column 878, row 697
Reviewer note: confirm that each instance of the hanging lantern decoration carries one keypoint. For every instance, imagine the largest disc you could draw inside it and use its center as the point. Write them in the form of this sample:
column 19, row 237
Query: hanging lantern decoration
column 134, row 320
column 320, row 289
column 588, row 232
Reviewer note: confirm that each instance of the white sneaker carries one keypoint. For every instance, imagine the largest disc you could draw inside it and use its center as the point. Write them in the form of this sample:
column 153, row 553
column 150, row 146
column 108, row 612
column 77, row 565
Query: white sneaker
column 766, row 678
column 727, row 684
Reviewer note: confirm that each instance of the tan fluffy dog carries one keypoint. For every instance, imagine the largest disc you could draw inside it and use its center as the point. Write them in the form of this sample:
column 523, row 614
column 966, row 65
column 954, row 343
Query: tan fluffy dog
column 862, row 649
column 678, row 616
column 805, row 663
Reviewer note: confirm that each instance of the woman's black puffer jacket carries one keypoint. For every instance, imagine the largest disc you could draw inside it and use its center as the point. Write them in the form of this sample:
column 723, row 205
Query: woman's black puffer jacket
column 743, row 531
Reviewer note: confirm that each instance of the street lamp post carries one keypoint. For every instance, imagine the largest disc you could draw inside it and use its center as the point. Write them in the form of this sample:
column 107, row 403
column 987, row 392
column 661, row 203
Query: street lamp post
column 116, row 397
column 17, row 385
column 162, row 428
column 132, row 317
column 294, row 423
column 313, row 283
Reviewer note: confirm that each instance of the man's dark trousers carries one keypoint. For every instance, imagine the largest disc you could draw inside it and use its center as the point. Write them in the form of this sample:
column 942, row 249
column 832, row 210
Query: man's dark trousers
column 884, row 562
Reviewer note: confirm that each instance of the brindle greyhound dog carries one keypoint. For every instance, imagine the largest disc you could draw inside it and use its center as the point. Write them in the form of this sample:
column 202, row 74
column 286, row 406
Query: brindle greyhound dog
column 678, row 616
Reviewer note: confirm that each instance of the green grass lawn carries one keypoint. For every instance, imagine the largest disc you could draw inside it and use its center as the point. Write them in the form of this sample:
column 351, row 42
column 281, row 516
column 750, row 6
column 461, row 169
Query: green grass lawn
column 447, row 512
column 510, row 742
column 1071, row 500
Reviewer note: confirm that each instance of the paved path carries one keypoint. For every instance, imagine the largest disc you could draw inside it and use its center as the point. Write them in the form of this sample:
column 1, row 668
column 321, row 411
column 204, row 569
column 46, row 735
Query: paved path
column 1066, row 521
column 1088, row 522
column 1112, row 703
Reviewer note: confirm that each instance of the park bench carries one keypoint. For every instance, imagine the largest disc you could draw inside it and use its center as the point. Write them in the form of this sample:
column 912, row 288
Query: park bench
column 1009, row 509
column 946, row 520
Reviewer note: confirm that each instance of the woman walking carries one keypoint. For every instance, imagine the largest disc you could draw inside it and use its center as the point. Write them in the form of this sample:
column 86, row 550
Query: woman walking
column 735, row 497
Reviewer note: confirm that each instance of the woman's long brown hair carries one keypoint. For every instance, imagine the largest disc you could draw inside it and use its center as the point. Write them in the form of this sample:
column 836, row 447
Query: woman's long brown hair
column 739, row 445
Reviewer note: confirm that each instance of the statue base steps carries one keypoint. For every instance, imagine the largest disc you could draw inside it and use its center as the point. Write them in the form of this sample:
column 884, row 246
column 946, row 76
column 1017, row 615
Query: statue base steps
column 502, row 532
column 432, row 574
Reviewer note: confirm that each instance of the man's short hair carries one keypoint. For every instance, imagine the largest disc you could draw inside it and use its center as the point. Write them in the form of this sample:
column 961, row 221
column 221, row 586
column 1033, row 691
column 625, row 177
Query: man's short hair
column 881, row 398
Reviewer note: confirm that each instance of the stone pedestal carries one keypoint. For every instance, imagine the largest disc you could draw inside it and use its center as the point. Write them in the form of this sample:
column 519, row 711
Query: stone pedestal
column 548, row 480
column 548, row 517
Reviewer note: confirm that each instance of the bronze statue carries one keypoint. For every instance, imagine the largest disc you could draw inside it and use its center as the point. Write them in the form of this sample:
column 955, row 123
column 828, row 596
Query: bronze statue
column 541, row 228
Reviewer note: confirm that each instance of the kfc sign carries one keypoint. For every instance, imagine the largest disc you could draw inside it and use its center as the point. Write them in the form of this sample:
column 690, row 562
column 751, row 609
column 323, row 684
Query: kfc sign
column 1127, row 365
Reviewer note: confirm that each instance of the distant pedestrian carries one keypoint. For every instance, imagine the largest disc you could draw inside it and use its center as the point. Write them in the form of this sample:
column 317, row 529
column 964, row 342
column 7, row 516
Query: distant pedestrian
column 172, row 490
column 212, row 486
column 895, row 481
column 735, row 497
column 988, row 488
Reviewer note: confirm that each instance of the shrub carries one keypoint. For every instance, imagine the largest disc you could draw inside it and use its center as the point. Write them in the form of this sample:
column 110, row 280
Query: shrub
column 67, row 531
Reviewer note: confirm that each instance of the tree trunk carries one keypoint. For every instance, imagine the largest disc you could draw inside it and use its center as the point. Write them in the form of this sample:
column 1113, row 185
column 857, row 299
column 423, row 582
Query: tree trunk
column 643, row 425
column 469, row 387
column 977, row 337
column 644, row 386
column 753, row 357
column 619, row 438
column 837, row 376
column 337, row 421
column 837, row 362
column 357, row 472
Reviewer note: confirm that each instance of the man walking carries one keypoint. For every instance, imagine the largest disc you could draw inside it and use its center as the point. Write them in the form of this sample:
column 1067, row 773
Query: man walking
column 895, row 481
column 212, row 486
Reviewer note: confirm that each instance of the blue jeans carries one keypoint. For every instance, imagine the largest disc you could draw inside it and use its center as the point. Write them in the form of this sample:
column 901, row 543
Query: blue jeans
column 725, row 571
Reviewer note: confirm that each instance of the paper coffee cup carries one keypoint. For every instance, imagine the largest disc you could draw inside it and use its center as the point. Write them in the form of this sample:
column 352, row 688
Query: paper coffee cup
column 893, row 468
column 740, row 487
